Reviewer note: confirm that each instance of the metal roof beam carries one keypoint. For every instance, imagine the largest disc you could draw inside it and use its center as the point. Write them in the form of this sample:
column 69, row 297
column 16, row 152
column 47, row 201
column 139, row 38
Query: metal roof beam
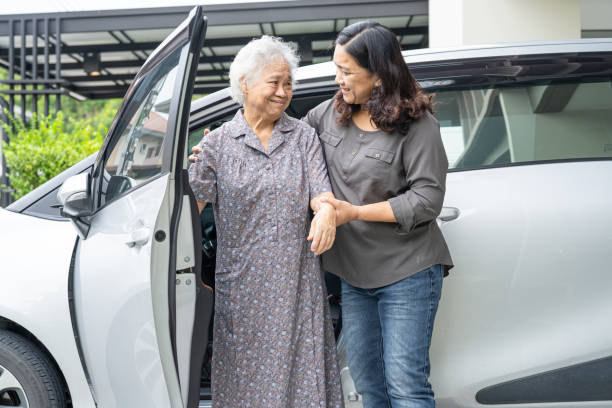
column 223, row 14
column 119, row 92
column 123, row 77
column 214, row 42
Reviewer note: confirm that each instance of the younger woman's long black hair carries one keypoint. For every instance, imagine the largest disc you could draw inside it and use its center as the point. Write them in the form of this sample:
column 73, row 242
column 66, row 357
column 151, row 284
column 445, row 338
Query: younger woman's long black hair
column 399, row 99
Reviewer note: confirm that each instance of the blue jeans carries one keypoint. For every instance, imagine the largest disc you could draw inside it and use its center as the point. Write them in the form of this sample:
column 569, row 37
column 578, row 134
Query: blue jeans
column 387, row 332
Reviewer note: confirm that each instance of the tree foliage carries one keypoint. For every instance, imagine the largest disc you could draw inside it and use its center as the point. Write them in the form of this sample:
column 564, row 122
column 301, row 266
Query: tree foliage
column 45, row 146
column 38, row 151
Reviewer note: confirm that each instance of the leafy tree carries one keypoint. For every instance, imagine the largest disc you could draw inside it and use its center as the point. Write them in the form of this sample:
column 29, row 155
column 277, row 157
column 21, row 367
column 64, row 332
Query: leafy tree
column 39, row 150
column 46, row 146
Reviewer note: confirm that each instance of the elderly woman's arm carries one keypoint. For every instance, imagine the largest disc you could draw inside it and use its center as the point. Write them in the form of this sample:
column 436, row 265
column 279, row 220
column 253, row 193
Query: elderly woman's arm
column 323, row 225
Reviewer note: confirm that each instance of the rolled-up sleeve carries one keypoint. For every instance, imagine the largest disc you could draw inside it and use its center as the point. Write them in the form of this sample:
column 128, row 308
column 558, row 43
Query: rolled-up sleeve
column 202, row 173
column 318, row 178
column 425, row 165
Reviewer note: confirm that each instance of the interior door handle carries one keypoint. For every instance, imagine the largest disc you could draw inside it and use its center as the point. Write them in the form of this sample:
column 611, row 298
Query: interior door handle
column 449, row 214
column 139, row 237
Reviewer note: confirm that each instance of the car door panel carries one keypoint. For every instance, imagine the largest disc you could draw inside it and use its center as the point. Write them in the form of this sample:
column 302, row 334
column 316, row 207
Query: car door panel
column 521, row 299
column 126, row 267
column 114, row 309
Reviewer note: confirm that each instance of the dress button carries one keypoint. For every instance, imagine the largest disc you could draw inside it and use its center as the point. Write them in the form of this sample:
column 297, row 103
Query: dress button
column 378, row 155
column 353, row 153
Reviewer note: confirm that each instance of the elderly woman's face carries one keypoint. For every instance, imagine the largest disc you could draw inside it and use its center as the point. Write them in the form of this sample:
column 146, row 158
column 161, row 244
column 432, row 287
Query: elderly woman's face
column 271, row 93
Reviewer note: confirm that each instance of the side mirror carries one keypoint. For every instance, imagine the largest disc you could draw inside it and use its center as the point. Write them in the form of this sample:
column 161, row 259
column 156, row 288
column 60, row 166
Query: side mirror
column 75, row 197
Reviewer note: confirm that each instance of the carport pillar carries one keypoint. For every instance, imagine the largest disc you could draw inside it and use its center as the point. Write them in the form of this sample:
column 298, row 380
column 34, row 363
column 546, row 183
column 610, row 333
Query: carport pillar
column 469, row 22
column 5, row 195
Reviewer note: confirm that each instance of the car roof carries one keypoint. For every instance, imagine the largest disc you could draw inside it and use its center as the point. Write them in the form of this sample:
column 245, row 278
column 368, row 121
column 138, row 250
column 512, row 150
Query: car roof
column 432, row 55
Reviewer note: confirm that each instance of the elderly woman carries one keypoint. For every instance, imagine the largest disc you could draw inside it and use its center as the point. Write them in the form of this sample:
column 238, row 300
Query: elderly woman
column 273, row 340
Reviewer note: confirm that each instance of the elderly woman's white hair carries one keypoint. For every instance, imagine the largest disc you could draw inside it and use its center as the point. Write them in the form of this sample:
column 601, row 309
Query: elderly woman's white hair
column 254, row 57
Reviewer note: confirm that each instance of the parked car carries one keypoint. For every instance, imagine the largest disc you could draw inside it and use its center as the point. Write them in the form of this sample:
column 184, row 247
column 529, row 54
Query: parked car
column 102, row 298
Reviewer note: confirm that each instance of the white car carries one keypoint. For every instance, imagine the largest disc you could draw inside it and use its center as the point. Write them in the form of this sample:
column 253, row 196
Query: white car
column 102, row 302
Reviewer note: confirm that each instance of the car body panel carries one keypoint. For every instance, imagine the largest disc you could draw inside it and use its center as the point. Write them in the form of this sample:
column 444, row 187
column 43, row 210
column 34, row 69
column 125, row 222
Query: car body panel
column 113, row 302
column 128, row 334
column 526, row 295
column 34, row 290
column 530, row 241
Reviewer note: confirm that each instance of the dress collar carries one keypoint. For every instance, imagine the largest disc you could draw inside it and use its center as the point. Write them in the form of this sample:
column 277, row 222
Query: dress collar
column 239, row 127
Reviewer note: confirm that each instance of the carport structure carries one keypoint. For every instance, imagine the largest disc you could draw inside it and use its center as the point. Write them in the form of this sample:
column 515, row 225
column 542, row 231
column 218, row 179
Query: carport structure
column 95, row 54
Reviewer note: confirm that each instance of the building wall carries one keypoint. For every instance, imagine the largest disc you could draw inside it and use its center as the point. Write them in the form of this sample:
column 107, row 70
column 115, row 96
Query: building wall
column 470, row 22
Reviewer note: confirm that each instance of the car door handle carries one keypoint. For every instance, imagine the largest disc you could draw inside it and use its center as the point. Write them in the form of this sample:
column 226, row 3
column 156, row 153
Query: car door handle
column 139, row 237
column 449, row 214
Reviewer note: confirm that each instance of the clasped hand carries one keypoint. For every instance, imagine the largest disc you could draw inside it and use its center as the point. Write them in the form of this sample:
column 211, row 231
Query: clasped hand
column 330, row 214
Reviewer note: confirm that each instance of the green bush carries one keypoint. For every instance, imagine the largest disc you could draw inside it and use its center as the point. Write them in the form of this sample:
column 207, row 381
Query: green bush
column 40, row 150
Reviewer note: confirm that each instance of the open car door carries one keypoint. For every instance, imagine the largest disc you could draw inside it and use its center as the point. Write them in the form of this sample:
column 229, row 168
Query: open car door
column 138, row 302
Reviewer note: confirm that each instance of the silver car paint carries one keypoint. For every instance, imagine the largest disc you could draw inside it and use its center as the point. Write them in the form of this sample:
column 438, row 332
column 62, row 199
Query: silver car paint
column 492, row 272
column 35, row 256
column 113, row 295
column 530, row 289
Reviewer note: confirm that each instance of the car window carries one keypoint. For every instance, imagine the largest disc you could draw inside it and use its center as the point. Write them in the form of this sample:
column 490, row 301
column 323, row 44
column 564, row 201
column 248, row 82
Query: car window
column 524, row 124
column 135, row 152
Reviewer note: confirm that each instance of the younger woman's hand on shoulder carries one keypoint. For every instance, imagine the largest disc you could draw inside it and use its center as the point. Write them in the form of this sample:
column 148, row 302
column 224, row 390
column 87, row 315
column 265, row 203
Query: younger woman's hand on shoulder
column 195, row 150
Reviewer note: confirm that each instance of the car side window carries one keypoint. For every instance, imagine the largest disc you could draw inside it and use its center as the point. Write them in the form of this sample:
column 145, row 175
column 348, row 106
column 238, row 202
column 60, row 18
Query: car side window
column 135, row 152
column 528, row 123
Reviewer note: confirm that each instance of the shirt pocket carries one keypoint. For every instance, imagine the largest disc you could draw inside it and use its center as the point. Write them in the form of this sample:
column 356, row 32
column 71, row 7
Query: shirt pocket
column 383, row 157
column 330, row 140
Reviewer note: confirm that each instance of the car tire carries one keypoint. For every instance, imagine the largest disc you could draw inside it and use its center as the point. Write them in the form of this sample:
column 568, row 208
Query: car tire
column 27, row 376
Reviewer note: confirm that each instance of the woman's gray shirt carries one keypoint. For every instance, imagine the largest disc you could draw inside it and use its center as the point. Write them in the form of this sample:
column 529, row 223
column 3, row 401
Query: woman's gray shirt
column 366, row 167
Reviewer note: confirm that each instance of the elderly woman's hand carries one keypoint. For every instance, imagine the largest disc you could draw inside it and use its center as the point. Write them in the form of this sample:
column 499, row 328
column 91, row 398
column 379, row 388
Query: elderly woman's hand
column 323, row 229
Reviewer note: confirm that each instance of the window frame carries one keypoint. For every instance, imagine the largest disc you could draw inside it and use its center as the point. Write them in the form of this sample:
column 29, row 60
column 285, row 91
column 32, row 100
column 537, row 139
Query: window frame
column 125, row 113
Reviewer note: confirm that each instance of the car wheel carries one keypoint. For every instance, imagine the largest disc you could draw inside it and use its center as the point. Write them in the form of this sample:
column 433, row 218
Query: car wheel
column 27, row 377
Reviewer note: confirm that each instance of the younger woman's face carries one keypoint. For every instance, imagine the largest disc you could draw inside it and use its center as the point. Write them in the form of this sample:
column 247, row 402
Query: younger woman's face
column 356, row 82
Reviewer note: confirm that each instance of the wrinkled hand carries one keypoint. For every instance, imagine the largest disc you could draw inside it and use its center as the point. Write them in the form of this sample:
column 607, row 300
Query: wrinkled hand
column 322, row 230
column 345, row 211
column 195, row 150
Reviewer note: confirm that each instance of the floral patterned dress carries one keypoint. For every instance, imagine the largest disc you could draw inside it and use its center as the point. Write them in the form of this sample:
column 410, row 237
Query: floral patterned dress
column 273, row 340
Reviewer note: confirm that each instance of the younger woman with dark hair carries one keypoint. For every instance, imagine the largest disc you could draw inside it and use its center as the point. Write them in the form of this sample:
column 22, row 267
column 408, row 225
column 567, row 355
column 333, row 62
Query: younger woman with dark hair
column 387, row 167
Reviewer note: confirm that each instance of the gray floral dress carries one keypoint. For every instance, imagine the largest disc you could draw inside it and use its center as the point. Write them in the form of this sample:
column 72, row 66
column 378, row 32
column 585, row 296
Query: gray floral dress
column 273, row 340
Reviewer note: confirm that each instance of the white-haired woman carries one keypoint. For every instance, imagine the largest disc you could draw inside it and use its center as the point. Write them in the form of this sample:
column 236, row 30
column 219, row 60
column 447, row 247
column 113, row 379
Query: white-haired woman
column 273, row 341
